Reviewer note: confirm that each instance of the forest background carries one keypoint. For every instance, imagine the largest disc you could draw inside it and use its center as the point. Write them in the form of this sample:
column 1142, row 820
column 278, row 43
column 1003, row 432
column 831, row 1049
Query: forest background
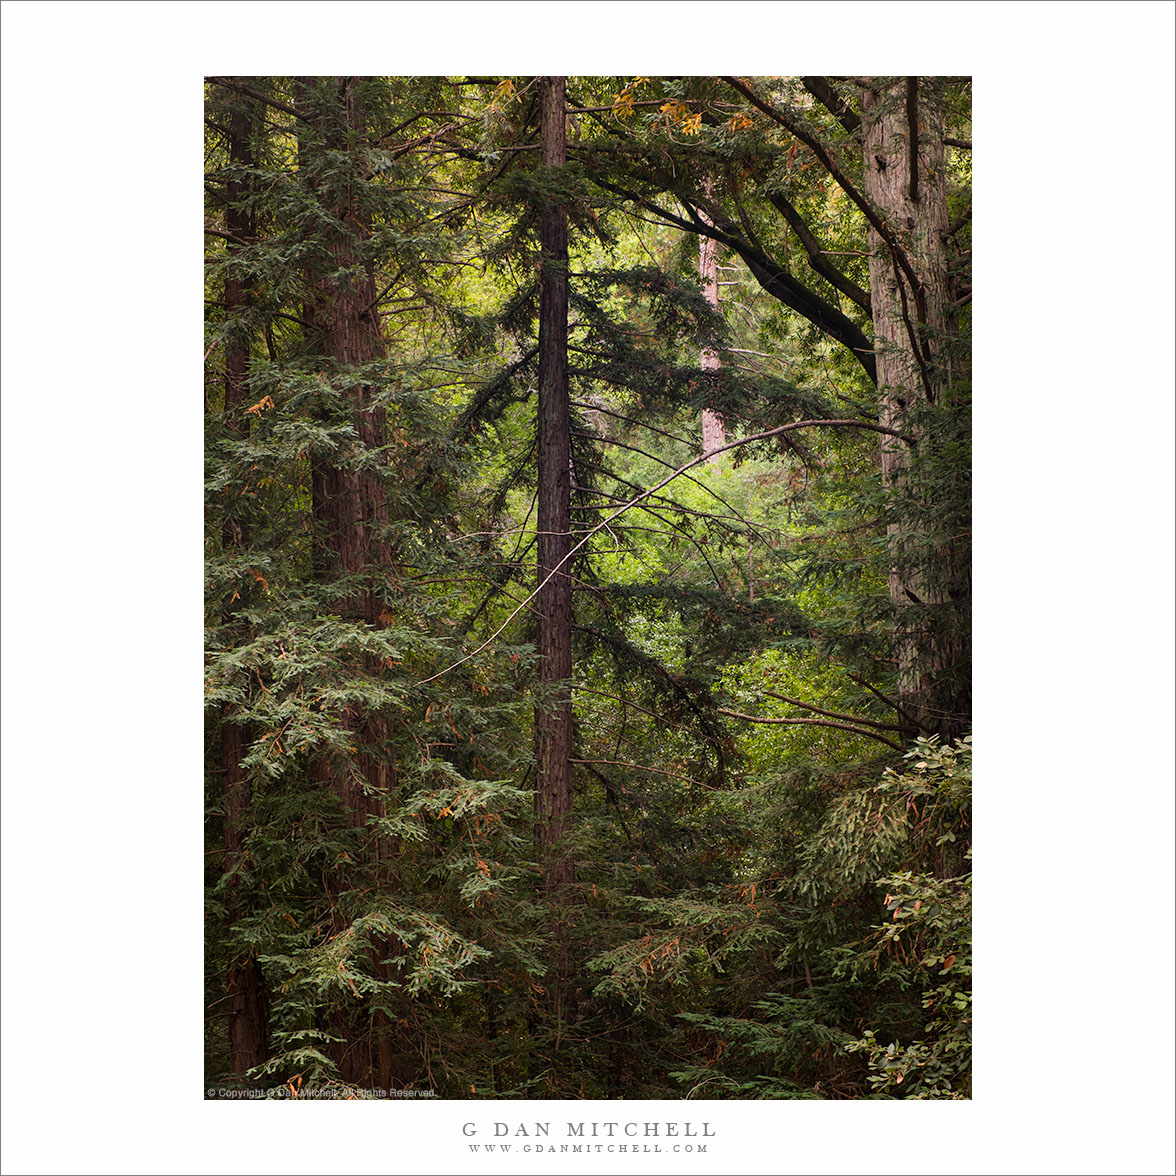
column 1090, row 510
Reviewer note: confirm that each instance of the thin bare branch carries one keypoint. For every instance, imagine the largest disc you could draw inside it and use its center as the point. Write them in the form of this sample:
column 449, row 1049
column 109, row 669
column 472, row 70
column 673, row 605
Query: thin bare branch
column 625, row 701
column 630, row 420
column 780, row 429
column 835, row 714
column 889, row 701
column 642, row 768
column 669, row 466
column 812, row 723
column 225, row 236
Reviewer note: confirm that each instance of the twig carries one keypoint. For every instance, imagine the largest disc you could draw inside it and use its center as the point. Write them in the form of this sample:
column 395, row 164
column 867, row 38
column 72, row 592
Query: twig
column 601, row 693
column 226, row 236
column 640, row 768
column 878, row 694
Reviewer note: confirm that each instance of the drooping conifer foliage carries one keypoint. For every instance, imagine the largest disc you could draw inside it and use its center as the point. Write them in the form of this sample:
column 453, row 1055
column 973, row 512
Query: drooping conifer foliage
column 546, row 756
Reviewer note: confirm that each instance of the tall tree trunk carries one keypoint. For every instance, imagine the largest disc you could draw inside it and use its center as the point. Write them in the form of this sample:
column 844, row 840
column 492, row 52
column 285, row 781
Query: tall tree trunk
column 350, row 509
column 714, row 434
column 905, row 179
column 245, row 988
column 553, row 717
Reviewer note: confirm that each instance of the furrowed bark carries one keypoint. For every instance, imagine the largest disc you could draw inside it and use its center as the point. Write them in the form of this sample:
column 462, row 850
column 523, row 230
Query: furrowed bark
column 910, row 302
column 350, row 507
column 350, row 510
column 553, row 717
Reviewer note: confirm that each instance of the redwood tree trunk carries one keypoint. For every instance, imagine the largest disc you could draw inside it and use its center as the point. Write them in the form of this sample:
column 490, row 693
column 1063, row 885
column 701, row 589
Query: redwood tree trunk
column 245, row 987
column 350, row 509
column 905, row 179
column 553, row 716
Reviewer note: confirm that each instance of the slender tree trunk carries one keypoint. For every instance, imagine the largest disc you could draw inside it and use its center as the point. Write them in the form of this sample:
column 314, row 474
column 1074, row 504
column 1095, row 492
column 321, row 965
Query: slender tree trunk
column 714, row 434
column 247, row 1014
column 553, row 718
column 903, row 148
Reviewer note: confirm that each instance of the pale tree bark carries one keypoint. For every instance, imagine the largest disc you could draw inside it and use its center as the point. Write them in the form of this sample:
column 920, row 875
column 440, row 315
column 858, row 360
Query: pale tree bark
column 905, row 181
column 714, row 434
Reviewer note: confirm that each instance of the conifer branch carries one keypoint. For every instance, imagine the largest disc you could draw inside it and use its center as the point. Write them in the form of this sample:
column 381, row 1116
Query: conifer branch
column 588, row 690
column 774, row 278
column 817, row 256
column 824, row 93
column 797, row 128
column 834, row 714
column 889, row 701
column 812, row 723
column 960, row 221
column 233, row 84
column 780, row 429
column 641, row 768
